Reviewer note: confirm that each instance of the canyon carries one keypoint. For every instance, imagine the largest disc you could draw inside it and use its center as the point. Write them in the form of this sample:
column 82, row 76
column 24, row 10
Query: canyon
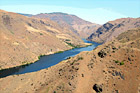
column 111, row 67
column 24, row 39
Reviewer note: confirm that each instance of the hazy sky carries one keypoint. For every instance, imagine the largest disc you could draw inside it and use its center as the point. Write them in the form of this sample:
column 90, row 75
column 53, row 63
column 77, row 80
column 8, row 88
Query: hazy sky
column 96, row 11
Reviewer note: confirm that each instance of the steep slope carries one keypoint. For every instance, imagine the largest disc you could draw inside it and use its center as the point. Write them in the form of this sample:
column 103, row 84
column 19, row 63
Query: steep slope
column 23, row 39
column 113, row 28
column 110, row 68
column 81, row 27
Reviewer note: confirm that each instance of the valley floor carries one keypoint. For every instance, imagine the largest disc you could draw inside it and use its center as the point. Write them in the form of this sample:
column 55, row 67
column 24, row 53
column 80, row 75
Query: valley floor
column 110, row 68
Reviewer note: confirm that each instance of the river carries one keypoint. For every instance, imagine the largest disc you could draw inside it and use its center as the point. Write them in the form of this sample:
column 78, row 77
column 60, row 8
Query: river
column 47, row 61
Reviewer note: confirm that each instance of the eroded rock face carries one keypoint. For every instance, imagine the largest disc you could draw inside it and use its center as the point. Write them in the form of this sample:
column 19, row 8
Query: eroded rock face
column 102, row 54
column 116, row 73
column 97, row 88
column 6, row 19
column 112, row 29
column 105, row 28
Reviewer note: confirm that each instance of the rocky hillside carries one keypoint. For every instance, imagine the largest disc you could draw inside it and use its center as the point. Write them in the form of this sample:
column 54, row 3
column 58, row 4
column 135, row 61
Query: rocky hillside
column 23, row 39
column 79, row 26
column 113, row 28
column 110, row 68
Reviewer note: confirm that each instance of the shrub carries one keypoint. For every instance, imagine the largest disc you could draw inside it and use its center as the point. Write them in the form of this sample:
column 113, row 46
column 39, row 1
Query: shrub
column 40, row 56
column 41, row 34
column 122, row 63
column 80, row 58
column 12, row 32
column 72, row 45
column 67, row 40
column 68, row 57
column 119, row 46
column 102, row 54
column 60, row 52
column 116, row 61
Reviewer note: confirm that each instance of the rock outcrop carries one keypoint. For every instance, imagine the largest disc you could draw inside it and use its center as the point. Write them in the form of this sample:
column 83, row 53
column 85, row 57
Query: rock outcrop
column 87, row 72
column 112, row 29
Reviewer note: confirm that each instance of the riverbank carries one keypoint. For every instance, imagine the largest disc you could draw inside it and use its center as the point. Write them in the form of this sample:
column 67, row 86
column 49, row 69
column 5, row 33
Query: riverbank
column 26, row 63
column 99, row 70
column 8, row 70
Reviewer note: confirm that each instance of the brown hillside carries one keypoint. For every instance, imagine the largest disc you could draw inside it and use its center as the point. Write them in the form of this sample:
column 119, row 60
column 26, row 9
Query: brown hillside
column 23, row 39
column 79, row 26
column 112, row 29
column 110, row 68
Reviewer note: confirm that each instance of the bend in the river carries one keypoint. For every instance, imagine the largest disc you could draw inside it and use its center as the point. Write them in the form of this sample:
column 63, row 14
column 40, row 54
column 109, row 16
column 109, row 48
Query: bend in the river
column 47, row 61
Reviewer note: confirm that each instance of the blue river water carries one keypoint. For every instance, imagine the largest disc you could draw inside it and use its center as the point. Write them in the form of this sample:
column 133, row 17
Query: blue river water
column 47, row 61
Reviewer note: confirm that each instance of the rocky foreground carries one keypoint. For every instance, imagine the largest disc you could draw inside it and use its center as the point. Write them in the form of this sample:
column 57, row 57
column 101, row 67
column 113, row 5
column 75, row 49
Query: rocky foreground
column 110, row 68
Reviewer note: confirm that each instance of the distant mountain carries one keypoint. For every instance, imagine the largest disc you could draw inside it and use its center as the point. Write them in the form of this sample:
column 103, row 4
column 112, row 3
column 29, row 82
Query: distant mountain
column 79, row 26
column 113, row 28
column 29, row 15
column 63, row 17
column 23, row 39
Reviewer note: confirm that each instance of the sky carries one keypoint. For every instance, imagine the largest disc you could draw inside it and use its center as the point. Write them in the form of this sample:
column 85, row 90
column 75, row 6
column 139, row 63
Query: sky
column 96, row 11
